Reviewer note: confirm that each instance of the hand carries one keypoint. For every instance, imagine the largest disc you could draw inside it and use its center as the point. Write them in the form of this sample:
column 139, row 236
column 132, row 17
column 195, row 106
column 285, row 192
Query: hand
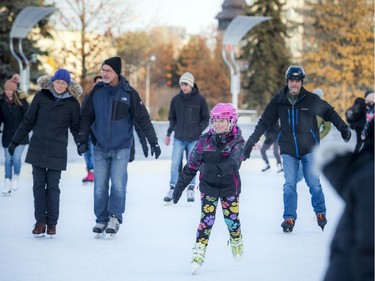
column 12, row 146
column 82, row 148
column 132, row 154
column 247, row 150
column 155, row 148
column 167, row 140
column 346, row 133
column 177, row 192
column 145, row 149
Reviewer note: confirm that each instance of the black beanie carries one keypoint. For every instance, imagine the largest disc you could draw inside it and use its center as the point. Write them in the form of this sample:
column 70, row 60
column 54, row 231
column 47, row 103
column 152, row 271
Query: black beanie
column 114, row 63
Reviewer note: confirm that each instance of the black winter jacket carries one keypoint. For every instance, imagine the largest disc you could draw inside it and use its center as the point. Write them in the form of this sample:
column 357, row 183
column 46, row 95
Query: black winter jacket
column 188, row 115
column 11, row 115
column 299, row 132
column 352, row 248
column 218, row 157
column 110, row 113
column 50, row 118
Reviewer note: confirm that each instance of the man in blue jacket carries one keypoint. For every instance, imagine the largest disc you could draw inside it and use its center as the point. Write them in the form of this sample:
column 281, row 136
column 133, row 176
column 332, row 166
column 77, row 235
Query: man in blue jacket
column 109, row 115
column 297, row 109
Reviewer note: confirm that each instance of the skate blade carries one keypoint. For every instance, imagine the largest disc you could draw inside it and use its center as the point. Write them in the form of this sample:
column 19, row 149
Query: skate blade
column 287, row 230
column 6, row 194
column 195, row 267
column 39, row 235
column 100, row 235
column 167, row 203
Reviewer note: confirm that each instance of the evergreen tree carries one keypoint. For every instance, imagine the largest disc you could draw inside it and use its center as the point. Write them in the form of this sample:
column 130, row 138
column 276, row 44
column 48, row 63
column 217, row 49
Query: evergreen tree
column 8, row 64
column 267, row 54
column 339, row 48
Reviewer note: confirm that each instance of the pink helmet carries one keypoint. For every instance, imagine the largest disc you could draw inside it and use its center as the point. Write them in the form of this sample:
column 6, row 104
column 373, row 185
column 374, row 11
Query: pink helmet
column 225, row 110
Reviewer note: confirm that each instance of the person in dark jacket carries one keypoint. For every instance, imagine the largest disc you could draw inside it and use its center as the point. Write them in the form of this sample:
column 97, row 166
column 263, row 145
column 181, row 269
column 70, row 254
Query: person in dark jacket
column 89, row 155
column 12, row 111
column 188, row 118
column 271, row 139
column 111, row 110
column 218, row 156
column 356, row 117
column 53, row 111
column 297, row 109
column 351, row 174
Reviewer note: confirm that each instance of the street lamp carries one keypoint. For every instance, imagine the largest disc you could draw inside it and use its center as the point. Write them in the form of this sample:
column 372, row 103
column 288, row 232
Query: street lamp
column 151, row 59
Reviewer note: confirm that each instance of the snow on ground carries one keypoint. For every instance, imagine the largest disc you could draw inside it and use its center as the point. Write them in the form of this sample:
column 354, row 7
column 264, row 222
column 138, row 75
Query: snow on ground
column 155, row 241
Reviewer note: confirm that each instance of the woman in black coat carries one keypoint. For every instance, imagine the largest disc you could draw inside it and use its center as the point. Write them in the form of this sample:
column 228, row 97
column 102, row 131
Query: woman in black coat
column 352, row 175
column 53, row 111
column 12, row 111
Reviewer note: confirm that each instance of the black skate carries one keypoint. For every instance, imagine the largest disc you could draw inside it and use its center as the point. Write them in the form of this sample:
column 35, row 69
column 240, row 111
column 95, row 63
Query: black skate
column 322, row 220
column 288, row 225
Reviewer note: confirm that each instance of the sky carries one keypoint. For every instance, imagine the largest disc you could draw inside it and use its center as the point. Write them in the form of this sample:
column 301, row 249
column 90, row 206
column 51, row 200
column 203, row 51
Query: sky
column 155, row 241
column 194, row 15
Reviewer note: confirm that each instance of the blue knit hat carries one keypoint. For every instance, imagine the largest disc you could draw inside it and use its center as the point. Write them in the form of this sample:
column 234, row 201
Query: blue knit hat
column 61, row 74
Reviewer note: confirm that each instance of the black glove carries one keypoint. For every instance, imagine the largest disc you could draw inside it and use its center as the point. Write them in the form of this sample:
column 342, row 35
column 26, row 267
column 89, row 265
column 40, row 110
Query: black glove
column 132, row 154
column 177, row 192
column 12, row 146
column 346, row 133
column 145, row 148
column 155, row 149
column 247, row 150
column 82, row 148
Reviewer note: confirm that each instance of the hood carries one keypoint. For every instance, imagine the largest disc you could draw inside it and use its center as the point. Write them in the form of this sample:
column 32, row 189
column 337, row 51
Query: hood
column 45, row 82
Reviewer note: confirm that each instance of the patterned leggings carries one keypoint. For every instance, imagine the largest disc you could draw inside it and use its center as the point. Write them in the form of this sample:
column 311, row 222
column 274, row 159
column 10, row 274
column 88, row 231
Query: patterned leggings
column 230, row 206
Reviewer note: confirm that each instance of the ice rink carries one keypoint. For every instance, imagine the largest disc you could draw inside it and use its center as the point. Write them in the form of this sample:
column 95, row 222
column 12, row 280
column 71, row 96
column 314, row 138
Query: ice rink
column 155, row 241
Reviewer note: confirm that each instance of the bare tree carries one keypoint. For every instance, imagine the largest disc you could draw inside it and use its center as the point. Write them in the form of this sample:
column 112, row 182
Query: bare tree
column 93, row 20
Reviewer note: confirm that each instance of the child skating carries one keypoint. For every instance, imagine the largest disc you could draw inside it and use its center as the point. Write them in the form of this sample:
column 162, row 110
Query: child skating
column 217, row 155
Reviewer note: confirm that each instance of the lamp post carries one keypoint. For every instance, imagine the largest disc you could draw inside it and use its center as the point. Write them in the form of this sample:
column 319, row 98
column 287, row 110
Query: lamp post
column 151, row 59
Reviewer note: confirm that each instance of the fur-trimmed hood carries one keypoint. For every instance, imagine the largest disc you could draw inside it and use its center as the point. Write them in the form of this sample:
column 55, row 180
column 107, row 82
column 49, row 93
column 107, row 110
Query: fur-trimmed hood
column 45, row 82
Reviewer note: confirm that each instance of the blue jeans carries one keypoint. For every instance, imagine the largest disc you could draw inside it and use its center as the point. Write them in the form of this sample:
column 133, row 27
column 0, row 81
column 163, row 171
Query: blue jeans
column 179, row 147
column 13, row 161
column 291, row 166
column 110, row 166
column 89, row 155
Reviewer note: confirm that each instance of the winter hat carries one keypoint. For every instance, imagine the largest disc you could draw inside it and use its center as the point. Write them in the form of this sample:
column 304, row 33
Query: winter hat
column 318, row 92
column 11, row 84
column 114, row 63
column 187, row 78
column 61, row 74
column 370, row 98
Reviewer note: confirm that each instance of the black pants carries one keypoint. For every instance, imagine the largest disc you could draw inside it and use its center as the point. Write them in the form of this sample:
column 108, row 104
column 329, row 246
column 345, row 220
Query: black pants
column 46, row 195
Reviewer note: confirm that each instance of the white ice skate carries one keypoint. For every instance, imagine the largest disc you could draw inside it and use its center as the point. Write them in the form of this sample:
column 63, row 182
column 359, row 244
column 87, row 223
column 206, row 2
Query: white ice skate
column 279, row 168
column 7, row 187
column 15, row 180
column 168, row 197
column 237, row 247
column 199, row 252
